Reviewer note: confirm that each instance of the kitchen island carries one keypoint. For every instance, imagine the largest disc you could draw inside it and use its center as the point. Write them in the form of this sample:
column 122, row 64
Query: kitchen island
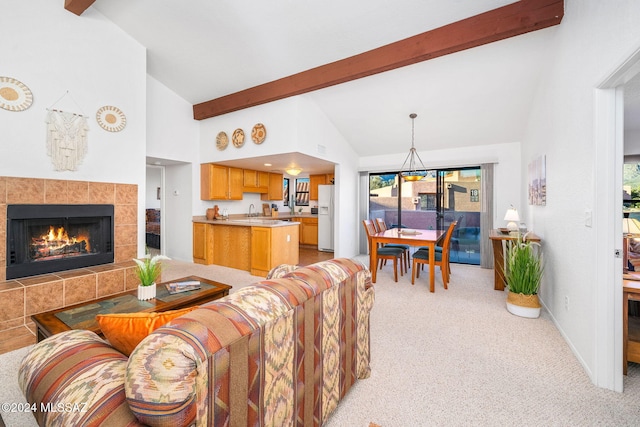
column 255, row 244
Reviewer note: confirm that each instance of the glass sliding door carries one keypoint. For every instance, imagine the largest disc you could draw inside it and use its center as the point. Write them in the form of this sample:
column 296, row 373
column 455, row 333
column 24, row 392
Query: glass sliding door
column 461, row 195
column 443, row 196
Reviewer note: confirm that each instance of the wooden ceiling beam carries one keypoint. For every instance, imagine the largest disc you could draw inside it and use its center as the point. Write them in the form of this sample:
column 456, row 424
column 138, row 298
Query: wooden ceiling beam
column 77, row 6
column 508, row 21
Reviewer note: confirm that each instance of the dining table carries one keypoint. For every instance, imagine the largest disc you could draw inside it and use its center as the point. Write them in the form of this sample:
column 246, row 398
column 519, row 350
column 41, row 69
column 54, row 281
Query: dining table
column 411, row 237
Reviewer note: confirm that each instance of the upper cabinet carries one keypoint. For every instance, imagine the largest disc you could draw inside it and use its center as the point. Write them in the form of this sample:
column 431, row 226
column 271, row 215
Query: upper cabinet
column 220, row 182
column 255, row 181
column 315, row 180
column 275, row 187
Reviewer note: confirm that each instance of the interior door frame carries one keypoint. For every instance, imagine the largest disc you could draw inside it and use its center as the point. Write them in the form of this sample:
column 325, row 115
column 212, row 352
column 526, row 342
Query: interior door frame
column 608, row 167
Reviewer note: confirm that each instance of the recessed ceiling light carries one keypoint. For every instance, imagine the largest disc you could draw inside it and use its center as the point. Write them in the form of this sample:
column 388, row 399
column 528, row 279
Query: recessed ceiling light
column 267, row 164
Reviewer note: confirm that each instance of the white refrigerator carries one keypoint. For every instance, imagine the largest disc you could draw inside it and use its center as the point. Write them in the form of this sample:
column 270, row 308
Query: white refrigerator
column 325, row 217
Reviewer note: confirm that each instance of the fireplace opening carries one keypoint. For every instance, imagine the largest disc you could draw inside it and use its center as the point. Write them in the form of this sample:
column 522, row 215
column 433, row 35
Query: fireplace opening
column 49, row 238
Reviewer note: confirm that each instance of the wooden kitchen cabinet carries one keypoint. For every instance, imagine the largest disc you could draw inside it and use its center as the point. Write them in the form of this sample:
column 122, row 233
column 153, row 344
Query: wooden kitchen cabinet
column 202, row 243
column 255, row 181
column 275, row 187
column 248, row 248
column 231, row 246
column 315, row 180
column 271, row 247
column 220, row 182
column 308, row 230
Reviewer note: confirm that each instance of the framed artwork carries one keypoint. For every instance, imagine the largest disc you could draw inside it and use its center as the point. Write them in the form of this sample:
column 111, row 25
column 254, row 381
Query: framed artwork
column 285, row 191
column 538, row 181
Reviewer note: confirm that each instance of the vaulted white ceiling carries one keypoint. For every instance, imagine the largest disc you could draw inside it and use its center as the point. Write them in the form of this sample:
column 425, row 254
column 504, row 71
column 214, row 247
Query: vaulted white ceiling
column 204, row 49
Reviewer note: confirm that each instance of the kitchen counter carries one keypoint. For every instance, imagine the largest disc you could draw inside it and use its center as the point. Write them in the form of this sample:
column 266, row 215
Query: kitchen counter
column 255, row 244
column 255, row 221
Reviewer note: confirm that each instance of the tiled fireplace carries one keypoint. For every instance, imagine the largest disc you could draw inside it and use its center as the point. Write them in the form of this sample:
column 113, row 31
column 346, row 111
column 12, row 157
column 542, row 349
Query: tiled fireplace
column 22, row 297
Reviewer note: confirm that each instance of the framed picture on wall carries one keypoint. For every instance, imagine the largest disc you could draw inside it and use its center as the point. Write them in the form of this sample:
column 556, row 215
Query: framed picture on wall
column 538, row 181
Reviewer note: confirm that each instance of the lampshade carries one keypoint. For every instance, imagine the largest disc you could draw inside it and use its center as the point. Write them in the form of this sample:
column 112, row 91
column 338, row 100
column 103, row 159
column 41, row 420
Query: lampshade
column 513, row 218
column 630, row 227
column 413, row 173
column 293, row 171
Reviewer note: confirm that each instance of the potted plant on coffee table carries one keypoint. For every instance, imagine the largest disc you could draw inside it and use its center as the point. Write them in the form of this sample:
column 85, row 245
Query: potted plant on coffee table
column 523, row 275
column 148, row 271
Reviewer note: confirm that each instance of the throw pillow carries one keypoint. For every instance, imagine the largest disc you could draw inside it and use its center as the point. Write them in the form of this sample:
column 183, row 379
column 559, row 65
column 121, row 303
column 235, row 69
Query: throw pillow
column 125, row 330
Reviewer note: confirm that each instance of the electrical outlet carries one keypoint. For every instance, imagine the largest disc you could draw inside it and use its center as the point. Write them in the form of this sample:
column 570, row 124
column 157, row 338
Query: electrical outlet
column 566, row 302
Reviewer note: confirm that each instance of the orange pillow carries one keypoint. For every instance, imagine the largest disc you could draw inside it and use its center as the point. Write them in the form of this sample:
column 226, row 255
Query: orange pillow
column 125, row 330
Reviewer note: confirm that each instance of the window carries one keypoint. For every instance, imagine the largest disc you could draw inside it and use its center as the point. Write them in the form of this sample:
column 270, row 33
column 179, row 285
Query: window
column 427, row 201
column 302, row 191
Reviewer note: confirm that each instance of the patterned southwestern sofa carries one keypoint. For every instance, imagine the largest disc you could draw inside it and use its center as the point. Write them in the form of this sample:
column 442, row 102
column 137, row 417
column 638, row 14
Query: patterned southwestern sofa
column 283, row 351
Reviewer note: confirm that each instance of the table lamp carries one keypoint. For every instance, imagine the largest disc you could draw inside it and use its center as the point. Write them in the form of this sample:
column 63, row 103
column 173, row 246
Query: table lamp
column 513, row 218
column 630, row 229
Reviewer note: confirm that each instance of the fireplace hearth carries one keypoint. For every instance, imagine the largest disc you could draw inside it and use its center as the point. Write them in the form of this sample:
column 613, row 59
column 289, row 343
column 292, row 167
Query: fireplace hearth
column 50, row 238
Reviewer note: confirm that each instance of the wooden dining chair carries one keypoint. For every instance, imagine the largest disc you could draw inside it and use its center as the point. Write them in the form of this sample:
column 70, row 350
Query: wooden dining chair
column 421, row 256
column 382, row 226
column 438, row 248
column 383, row 252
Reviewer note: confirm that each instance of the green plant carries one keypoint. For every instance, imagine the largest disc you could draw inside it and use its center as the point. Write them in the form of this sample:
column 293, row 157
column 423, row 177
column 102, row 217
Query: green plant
column 524, row 266
column 148, row 269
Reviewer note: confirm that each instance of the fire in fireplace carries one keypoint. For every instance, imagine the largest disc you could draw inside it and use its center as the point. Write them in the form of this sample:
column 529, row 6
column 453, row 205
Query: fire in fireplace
column 49, row 238
column 56, row 243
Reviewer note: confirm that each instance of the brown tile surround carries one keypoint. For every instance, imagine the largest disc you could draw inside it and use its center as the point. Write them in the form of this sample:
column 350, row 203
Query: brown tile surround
column 20, row 298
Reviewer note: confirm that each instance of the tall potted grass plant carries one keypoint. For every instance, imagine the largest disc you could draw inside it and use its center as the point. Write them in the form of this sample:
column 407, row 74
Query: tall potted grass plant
column 524, row 268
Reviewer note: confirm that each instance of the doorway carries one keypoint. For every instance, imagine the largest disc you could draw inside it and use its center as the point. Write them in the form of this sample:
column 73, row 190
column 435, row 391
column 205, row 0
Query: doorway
column 153, row 209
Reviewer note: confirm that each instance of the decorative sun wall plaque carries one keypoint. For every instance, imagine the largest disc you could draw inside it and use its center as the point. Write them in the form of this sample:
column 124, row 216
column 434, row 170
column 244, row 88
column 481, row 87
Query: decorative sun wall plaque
column 14, row 95
column 111, row 118
column 258, row 133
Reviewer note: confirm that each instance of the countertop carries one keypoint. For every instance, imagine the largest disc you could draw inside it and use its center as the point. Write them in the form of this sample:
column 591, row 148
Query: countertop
column 282, row 220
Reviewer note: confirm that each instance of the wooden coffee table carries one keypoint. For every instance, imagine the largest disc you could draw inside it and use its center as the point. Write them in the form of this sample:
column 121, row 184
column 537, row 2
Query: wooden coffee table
column 83, row 315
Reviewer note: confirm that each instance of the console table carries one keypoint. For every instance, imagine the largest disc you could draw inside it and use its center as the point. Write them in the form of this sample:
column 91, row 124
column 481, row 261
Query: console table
column 83, row 315
column 498, row 241
column 630, row 326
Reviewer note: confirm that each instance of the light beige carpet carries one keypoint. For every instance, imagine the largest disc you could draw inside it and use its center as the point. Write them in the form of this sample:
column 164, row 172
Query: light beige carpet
column 458, row 358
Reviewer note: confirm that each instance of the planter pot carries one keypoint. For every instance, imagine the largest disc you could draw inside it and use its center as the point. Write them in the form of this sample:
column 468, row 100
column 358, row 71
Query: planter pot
column 523, row 305
column 146, row 292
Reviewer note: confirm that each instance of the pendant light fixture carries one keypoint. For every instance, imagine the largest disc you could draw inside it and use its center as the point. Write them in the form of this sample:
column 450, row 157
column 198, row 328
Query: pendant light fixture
column 413, row 173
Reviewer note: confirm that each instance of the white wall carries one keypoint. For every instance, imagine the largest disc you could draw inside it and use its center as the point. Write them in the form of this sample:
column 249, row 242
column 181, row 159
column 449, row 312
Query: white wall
column 178, row 232
column 153, row 182
column 591, row 42
column 53, row 51
column 173, row 137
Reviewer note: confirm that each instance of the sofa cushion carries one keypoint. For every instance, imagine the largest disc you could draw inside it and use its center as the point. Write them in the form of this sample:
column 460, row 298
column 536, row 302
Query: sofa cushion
column 79, row 378
column 125, row 330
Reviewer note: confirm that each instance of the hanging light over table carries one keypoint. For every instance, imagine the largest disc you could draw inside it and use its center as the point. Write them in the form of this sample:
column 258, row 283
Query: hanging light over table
column 413, row 173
